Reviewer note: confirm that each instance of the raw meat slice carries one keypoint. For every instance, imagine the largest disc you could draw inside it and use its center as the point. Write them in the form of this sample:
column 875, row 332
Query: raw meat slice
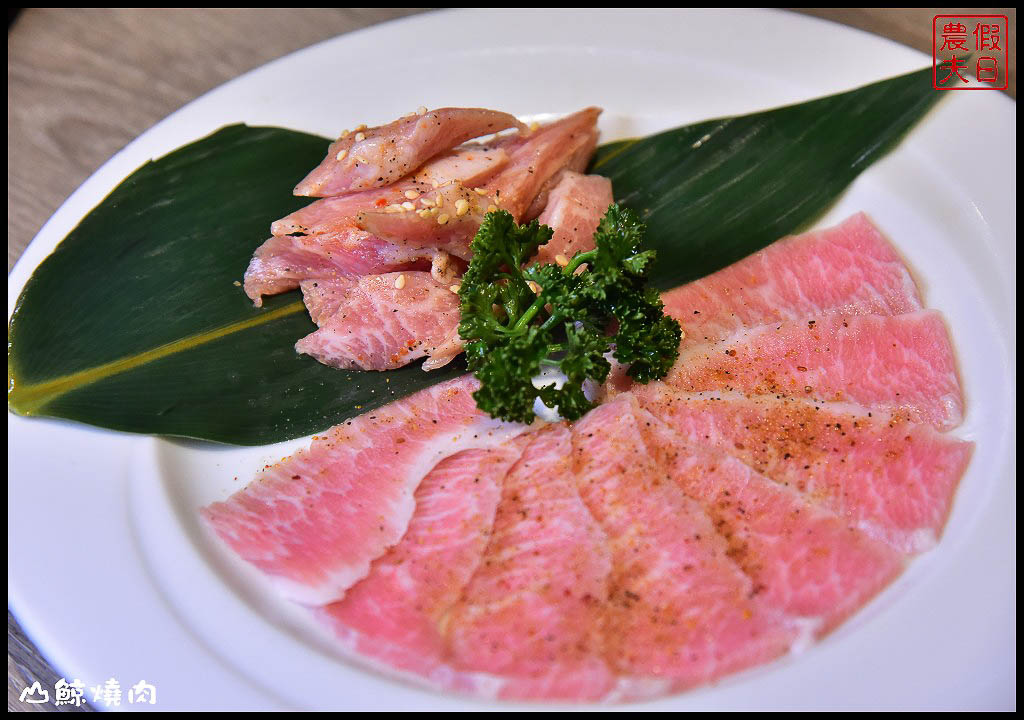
column 678, row 608
column 398, row 613
column 283, row 262
column 471, row 164
column 574, row 209
column 577, row 163
column 379, row 156
column 804, row 561
column 316, row 520
column 895, row 363
column 382, row 322
column 449, row 215
column 323, row 298
column 547, row 150
column 446, row 217
column 531, row 612
column 358, row 234
column 893, row 479
column 848, row 269
column 409, row 224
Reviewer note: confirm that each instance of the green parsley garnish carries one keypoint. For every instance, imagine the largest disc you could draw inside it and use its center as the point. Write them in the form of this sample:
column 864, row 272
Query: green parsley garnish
column 511, row 332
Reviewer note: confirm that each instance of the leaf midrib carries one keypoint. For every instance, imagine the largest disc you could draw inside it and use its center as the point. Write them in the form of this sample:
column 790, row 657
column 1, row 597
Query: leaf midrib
column 29, row 399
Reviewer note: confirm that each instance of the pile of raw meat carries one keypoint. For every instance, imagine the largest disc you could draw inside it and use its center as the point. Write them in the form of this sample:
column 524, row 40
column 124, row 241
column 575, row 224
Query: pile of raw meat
column 378, row 258
column 786, row 470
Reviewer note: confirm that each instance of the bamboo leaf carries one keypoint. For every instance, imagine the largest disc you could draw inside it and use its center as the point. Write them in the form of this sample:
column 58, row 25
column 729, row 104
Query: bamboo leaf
column 135, row 322
column 717, row 191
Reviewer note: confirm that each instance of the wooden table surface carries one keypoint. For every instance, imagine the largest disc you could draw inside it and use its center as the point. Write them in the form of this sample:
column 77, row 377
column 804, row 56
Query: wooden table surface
column 81, row 84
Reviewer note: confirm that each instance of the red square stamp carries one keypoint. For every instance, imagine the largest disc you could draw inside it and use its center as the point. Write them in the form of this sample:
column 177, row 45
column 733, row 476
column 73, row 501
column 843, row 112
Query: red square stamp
column 966, row 45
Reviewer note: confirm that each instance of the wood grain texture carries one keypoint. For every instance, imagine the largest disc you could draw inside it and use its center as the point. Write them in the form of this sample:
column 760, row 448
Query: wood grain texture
column 83, row 83
column 105, row 76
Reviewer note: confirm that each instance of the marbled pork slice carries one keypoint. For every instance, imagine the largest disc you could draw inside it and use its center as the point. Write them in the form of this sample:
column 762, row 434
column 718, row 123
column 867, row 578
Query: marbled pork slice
column 323, row 297
column 283, row 262
column 330, row 238
column 449, row 216
column 804, row 560
column 316, row 520
column 574, row 209
column 471, row 164
column 886, row 476
column 899, row 363
column 531, row 612
column 547, row 151
column 577, row 162
column 379, row 156
column 848, row 269
column 679, row 609
column 397, row 614
column 383, row 322
column 445, row 217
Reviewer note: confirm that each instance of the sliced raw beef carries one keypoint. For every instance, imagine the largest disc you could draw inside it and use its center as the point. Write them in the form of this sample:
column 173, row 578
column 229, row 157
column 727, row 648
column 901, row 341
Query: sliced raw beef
column 382, row 322
column 398, row 613
column 891, row 478
column 895, row 363
column 532, row 611
column 848, row 269
column 315, row 521
column 804, row 560
column 574, row 209
column 679, row 608
column 379, row 156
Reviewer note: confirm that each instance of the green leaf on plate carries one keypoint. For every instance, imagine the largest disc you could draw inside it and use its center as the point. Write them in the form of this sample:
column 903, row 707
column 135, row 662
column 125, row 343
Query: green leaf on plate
column 136, row 323
column 717, row 191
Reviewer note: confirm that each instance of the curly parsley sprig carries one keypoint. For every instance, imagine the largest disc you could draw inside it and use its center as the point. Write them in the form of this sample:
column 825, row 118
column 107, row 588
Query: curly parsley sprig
column 517, row 321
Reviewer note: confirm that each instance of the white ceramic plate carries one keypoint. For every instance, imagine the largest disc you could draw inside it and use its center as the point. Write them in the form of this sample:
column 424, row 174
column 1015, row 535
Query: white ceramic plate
column 112, row 576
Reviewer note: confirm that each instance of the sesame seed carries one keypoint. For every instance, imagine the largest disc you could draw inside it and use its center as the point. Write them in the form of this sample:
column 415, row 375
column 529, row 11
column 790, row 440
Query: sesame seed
column 408, row 206
column 434, row 211
column 423, row 213
column 534, row 286
column 479, row 191
column 461, row 207
column 400, row 282
column 443, row 219
column 361, row 126
column 411, row 194
column 580, row 269
column 426, row 202
column 491, row 208
column 534, row 126
column 562, row 260
column 360, row 137
column 421, row 110
column 455, row 288
column 341, row 155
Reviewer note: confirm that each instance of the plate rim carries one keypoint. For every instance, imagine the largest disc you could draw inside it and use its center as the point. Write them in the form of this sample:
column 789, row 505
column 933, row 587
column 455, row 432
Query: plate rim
column 49, row 236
